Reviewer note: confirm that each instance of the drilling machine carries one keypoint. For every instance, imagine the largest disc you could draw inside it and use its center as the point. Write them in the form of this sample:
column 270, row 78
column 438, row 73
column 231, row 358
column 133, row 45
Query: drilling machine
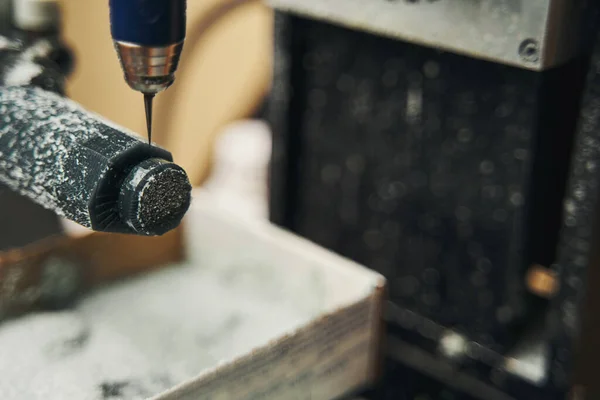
column 453, row 147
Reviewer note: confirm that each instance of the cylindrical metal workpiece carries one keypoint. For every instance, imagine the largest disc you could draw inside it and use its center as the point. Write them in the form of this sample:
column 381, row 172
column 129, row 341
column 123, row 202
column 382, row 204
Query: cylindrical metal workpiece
column 86, row 169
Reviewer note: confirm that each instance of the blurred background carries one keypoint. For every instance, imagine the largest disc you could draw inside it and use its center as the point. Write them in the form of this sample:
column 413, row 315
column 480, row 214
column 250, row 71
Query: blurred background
column 456, row 156
column 224, row 75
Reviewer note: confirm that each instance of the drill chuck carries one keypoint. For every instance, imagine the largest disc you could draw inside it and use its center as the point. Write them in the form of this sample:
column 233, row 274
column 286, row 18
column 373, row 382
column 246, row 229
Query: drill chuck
column 148, row 36
column 149, row 69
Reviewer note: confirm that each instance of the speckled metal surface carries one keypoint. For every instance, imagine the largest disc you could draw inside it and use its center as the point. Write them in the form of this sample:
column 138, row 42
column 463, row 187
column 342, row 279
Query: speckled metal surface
column 155, row 196
column 57, row 154
column 447, row 174
column 420, row 169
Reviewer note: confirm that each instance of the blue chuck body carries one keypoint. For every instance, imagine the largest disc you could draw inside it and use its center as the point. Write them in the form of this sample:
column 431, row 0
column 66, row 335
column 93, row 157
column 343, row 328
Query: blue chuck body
column 148, row 22
column 148, row 36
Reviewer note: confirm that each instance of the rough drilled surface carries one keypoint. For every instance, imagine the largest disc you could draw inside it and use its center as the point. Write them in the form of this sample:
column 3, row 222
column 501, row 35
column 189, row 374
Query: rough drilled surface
column 154, row 197
column 164, row 200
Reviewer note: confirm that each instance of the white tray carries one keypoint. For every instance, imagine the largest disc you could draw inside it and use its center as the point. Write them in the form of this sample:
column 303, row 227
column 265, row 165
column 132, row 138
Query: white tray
column 255, row 313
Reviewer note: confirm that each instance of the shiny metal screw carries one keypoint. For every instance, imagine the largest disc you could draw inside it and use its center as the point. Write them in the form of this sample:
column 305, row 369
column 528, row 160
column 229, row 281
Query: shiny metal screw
column 529, row 50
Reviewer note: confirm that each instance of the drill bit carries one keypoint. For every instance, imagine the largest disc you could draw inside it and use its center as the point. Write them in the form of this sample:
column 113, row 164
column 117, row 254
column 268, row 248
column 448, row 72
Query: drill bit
column 148, row 97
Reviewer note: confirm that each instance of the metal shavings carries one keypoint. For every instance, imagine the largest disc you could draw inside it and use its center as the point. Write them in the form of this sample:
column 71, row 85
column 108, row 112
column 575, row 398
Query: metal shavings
column 164, row 200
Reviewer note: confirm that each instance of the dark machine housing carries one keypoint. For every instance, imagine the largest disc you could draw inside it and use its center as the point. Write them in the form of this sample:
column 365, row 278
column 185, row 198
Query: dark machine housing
column 454, row 167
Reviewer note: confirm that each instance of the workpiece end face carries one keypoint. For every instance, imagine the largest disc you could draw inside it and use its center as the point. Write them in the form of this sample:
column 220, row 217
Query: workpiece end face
column 155, row 197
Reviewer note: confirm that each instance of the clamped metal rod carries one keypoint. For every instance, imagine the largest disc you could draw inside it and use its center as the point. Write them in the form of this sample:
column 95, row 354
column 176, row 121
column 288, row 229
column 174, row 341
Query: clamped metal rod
column 75, row 163
column 84, row 168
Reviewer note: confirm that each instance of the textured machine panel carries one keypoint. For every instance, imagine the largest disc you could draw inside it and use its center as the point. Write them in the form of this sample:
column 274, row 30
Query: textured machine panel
column 443, row 172
column 420, row 165
column 532, row 34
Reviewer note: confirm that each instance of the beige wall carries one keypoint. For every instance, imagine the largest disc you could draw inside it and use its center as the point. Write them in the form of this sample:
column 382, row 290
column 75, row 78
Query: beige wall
column 221, row 79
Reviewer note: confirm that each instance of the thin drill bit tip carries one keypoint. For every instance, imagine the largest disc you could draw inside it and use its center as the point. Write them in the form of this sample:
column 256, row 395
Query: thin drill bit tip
column 148, row 97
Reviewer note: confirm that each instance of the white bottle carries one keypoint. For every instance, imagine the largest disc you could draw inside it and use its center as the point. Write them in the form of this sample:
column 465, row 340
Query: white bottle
column 239, row 179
